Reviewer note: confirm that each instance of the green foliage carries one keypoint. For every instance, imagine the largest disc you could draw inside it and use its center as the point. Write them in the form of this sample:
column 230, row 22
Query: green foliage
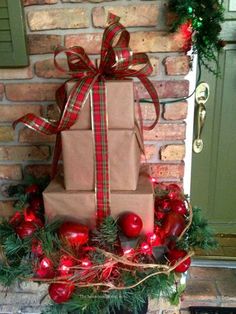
column 206, row 17
column 107, row 234
column 199, row 235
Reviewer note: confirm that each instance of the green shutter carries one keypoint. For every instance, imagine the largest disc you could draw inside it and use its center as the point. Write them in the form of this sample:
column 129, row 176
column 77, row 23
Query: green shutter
column 13, row 51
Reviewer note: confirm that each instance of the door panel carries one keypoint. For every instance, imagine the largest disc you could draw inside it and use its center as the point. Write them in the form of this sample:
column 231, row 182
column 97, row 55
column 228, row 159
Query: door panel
column 214, row 171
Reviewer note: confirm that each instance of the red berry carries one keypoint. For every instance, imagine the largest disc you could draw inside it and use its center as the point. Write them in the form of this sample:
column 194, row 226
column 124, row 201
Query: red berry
column 176, row 255
column 32, row 189
column 160, row 215
column 173, row 224
column 131, row 225
column 153, row 239
column 61, row 292
column 162, row 205
column 37, row 248
column 74, row 233
column 179, row 207
column 26, row 229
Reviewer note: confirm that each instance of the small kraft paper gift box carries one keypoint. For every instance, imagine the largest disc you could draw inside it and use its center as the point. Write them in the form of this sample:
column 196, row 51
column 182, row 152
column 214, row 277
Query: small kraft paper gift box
column 124, row 151
column 120, row 106
column 81, row 205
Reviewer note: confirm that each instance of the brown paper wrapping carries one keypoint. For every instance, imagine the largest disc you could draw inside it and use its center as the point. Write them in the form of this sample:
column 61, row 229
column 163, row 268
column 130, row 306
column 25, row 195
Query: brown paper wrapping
column 120, row 106
column 124, row 151
column 80, row 205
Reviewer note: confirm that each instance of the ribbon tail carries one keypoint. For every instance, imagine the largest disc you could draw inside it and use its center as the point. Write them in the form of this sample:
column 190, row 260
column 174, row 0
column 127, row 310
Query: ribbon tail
column 153, row 94
column 38, row 124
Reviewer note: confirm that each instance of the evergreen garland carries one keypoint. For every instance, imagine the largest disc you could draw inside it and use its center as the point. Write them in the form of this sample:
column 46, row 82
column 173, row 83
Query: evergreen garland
column 19, row 262
column 205, row 18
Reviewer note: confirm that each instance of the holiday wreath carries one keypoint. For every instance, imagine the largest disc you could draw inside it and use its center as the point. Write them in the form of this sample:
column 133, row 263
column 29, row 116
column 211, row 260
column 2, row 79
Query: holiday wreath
column 99, row 271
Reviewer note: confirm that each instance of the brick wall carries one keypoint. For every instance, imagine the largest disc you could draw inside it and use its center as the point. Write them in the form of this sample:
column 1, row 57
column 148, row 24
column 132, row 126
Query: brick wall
column 31, row 89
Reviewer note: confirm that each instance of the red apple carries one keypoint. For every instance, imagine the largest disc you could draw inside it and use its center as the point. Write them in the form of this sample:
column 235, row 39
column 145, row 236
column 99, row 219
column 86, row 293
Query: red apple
column 174, row 191
column 173, row 224
column 45, row 268
column 131, row 225
column 176, row 255
column 178, row 206
column 74, row 233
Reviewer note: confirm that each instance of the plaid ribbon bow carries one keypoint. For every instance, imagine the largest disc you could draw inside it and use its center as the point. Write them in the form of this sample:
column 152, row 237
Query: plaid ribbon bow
column 117, row 61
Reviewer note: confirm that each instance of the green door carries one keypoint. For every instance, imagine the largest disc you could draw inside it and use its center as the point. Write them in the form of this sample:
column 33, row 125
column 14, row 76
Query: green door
column 213, row 186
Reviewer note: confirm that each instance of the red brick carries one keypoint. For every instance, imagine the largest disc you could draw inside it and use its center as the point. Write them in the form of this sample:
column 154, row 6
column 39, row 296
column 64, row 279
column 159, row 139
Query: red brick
column 150, row 153
column 31, row 92
column 9, row 113
column 167, row 171
column 179, row 65
column 24, row 153
column 47, row 69
column 166, row 132
column 29, row 136
column 1, row 91
column 31, row 2
column 172, row 152
column 154, row 41
column 155, row 65
column 166, row 89
column 52, row 112
column 131, row 15
column 40, row 43
column 40, row 170
column 175, row 111
column 10, row 172
column 6, row 134
column 90, row 42
column 148, row 111
column 6, row 208
column 58, row 19
column 20, row 73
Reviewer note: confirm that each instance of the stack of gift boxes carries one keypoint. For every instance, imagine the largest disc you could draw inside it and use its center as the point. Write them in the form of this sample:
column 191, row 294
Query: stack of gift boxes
column 72, row 196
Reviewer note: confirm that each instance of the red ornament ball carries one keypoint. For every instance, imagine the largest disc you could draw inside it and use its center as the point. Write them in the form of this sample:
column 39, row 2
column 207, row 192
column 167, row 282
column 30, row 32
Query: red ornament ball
column 26, row 229
column 45, row 268
column 179, row 207
column 131, row 225
column 173, row 225
column 65, row 264
column 176, row 255
column 61, row 292
column 74, row 233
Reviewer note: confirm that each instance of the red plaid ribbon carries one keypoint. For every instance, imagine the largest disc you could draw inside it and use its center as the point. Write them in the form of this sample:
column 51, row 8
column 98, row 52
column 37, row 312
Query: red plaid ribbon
column 117, row 62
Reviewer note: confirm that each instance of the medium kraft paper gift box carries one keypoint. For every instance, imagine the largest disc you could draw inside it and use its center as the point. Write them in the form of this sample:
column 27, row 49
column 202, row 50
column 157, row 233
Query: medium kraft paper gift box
column 124, row 151
column 80, row 205
column 119, row 102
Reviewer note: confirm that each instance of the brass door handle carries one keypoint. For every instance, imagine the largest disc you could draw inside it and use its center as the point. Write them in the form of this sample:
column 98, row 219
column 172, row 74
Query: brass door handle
column 202, row 95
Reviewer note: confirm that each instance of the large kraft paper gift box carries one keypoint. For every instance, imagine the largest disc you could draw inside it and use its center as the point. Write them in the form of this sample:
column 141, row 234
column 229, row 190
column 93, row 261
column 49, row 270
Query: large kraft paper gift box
column 124, row 151
column 119, row 102
column 80, row 205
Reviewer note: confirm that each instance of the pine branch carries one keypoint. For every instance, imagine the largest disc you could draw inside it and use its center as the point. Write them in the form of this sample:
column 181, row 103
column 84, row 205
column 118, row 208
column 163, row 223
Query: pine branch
column 199, row 235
